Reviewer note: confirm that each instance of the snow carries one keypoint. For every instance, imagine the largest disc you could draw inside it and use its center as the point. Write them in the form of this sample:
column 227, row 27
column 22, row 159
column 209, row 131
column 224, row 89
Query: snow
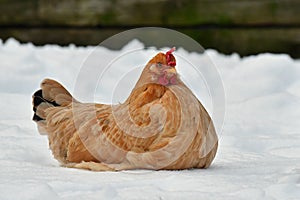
column 259, row 152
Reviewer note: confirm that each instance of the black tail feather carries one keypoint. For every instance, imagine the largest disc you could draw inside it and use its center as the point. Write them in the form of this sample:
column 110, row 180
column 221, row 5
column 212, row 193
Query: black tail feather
column 36, row 118
column 37, row 99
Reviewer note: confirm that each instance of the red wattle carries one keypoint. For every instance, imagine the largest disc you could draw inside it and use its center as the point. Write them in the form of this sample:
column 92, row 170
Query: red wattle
column 163, row 81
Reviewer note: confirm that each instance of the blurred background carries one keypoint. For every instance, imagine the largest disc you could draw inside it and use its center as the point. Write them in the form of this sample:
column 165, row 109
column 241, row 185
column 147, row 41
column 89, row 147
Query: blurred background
column 244, row 26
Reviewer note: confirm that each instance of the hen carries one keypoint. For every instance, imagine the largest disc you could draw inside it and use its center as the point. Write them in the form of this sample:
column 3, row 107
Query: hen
column 161, row 125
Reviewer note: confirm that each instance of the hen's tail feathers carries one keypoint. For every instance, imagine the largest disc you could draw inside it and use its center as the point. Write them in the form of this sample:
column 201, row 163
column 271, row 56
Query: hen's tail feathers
column 51, row 94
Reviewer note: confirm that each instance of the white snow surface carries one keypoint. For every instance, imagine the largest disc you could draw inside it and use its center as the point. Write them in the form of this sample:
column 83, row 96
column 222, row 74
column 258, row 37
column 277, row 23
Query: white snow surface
column 259, row 147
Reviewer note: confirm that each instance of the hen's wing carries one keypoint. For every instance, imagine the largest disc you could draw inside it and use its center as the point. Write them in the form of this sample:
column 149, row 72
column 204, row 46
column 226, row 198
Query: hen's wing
column 110, row 133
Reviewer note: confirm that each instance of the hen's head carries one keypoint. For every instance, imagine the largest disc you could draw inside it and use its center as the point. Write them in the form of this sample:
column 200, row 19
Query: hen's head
column 162, row 68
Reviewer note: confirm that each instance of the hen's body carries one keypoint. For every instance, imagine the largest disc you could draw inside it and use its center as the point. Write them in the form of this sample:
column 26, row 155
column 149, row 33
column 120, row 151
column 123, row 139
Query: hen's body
column 158, row 127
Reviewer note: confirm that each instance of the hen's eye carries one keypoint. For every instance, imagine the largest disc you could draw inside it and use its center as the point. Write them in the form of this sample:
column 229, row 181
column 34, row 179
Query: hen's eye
column 159, row 64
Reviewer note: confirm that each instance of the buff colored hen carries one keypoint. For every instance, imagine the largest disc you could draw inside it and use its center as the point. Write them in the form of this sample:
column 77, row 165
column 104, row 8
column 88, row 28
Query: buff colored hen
column 161, row 125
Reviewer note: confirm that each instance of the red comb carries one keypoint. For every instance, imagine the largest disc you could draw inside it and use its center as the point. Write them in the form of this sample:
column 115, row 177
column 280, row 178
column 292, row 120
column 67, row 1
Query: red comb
column 169, row 56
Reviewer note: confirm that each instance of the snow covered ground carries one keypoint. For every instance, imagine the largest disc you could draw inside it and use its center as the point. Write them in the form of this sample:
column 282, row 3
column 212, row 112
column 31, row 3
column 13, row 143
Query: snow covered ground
column 258, row 156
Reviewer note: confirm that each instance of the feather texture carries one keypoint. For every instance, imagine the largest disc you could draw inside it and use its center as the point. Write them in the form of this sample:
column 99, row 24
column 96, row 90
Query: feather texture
column 159, row 126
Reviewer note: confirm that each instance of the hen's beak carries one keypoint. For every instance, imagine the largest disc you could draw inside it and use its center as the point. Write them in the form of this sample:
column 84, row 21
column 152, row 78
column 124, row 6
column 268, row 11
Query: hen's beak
column 171, row 70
